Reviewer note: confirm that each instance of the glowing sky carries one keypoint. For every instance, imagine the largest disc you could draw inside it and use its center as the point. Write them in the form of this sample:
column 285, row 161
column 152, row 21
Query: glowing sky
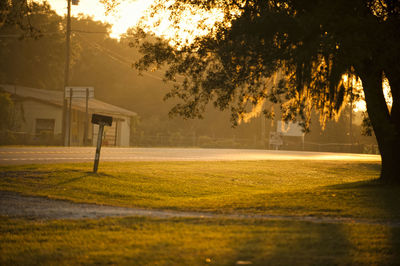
column 126, row 14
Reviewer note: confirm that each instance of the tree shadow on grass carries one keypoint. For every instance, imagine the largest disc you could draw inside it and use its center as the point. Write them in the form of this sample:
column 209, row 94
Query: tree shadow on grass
column 381, row 198
column 24, row 174
column 294, row 243
column 306, row 243
column 366, row 184
column 85, row 174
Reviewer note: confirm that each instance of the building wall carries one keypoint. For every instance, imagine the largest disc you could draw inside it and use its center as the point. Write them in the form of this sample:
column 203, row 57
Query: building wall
column 33, row 110
column 125, row 131
column 109, row 134
column 109, row 138
column 78, row 125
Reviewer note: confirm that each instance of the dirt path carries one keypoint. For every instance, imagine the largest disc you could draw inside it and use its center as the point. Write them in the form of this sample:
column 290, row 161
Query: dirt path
column 16, row 205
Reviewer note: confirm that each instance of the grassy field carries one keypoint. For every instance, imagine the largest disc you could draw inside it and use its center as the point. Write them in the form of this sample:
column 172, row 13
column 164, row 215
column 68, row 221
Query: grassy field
column 273, row 187
column 291, row 188
column 142, row 241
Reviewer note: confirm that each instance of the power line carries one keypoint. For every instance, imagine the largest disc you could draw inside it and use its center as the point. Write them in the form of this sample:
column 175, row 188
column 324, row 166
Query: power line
column 52, row 33
column 16, row 36
column 115, row 56
column 95, row 32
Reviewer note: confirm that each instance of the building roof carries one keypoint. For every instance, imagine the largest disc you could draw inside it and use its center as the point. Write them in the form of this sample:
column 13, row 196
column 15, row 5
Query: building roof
column 56, row 97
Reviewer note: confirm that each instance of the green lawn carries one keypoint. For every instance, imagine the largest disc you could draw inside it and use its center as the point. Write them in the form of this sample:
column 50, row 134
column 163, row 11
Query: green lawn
column 334, row 189
column 273, row 187
column 141, row 241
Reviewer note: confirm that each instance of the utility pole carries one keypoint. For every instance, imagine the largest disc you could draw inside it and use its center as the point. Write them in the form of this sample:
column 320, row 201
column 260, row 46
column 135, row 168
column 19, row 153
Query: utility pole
column 351, row 120
column 66, row 114
column 86, row 128
column 262, row 116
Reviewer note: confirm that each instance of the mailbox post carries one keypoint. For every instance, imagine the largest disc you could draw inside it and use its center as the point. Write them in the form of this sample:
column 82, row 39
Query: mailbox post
column 102, row 121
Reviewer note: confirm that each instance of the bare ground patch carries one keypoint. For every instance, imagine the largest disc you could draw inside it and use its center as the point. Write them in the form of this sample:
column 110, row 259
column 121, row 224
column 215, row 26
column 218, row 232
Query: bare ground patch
column 14, row 204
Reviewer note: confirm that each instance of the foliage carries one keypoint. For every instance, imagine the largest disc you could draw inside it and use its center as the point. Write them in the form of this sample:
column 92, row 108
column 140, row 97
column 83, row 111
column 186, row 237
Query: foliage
column 18, row 14
column 366, row 125
column 6, row 110
column 36, row 62
column 309, row 46
column 7, row 121
column 299, row 54
column 104, row 63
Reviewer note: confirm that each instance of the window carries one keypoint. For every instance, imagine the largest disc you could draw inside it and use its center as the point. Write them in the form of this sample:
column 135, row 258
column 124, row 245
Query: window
column 44, row 126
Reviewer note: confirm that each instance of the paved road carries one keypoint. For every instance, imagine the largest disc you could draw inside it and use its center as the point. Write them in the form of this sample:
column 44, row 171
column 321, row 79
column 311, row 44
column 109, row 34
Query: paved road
column 38, row 155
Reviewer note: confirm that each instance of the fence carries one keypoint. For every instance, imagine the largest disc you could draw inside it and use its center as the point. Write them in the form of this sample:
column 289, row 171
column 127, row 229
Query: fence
column 177, row 140
column 174, row 140
column 247, row 143
column 23, row 138
column 333, row 147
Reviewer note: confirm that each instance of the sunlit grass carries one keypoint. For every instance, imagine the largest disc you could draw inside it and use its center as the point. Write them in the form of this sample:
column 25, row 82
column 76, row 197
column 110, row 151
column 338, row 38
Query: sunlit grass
column 339, row 189
column 142, row 241
column 330, row 188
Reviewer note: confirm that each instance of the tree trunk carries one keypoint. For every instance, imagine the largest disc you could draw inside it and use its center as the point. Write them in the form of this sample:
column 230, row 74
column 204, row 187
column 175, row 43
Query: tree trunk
column 384, row 123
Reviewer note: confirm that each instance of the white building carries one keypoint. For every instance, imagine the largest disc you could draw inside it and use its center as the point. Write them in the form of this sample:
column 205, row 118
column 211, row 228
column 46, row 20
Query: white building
column 39, row 117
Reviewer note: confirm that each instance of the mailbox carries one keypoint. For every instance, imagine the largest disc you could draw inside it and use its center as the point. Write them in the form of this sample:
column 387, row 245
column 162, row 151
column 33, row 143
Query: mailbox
column 102, row 119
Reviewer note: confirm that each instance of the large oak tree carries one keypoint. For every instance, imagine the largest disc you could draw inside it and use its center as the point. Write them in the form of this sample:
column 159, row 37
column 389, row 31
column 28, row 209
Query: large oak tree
column 312, row 45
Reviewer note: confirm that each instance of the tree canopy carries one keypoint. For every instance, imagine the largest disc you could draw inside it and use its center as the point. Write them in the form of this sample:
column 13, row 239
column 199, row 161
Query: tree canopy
column 32, row 58
column 301, row 54
column 17, row 15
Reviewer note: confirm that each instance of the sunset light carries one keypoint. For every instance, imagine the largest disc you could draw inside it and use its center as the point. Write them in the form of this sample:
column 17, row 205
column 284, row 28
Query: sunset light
column 192, row 23
column 360, row 104
column 128, row 12
column 199, row 132
column 125, row 15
